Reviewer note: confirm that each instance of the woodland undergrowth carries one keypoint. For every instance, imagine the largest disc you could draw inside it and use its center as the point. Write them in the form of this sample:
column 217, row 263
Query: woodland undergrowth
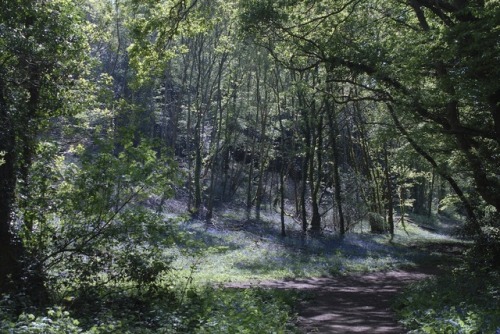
column 190, row 297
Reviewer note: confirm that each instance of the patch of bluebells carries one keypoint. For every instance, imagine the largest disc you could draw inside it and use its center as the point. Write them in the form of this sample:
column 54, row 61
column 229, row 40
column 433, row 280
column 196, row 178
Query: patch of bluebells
column 250, row 242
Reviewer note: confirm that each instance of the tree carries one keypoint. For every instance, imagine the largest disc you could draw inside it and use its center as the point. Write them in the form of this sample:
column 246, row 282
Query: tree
column 42, row 54
column 438, row 82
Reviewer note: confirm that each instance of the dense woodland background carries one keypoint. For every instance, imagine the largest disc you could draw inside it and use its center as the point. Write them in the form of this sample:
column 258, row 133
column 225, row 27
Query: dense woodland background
column 329, row 113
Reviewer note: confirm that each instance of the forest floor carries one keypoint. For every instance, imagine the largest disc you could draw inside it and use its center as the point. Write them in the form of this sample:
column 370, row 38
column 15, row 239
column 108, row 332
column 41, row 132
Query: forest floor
column 357, row 303
column 346, row 285
column 361, row 302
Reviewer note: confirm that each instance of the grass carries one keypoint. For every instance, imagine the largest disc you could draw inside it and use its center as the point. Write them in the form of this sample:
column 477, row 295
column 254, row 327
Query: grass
column 233, row 250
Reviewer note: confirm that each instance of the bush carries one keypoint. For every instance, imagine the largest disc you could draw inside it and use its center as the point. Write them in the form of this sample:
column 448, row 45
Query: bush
column 203, row 311
column 55, row 321
column 245, row 311
column 229, row 311
column 486, row 251
column 461, row 302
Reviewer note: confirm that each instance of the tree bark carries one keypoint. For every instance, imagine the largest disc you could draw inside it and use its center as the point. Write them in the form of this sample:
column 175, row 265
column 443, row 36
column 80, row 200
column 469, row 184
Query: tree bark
column 315, row 166
column 10, row 266
column 389, row 193
column 334, row 132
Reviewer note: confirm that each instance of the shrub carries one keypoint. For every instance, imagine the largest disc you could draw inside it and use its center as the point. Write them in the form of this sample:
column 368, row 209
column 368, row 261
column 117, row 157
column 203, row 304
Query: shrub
column 245, row 311
column 486, row 252
column 55, row 321
column 461, row 302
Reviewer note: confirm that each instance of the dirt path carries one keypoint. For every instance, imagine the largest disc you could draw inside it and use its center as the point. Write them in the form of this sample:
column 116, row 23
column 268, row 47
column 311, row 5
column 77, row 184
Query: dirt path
column 350, row 304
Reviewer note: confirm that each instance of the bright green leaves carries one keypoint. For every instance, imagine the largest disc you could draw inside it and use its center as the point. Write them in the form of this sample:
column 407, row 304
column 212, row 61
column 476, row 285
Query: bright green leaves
column 57, row 321
column 102, row 215
column 82, row 208
column 95, row 208
column 157, row 27
column 246, row 311
column 43, row 50
column 109, row 182
column 44, row 38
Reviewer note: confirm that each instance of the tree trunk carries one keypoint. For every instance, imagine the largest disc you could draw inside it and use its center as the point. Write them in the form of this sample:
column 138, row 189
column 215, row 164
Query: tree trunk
column 334, row 132
column 216, row 166
column 336, row 173
column 197, row 166
column 17, row 272
column 10, row 260
column 430, row 196
column 315, row 168
column 303, row 193
column 389, row 193
column 337, row 183
column 263, row 145
column 250, row 177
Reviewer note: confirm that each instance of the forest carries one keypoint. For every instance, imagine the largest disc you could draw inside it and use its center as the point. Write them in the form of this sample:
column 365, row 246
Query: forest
column 154, row 152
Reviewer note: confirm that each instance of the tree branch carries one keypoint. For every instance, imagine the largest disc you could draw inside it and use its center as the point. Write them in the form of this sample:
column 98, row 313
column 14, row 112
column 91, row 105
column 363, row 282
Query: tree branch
column 441, row 172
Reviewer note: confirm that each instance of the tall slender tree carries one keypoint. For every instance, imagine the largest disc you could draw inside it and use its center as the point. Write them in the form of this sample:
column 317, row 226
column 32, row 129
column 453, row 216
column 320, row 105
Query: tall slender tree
column 439, row 81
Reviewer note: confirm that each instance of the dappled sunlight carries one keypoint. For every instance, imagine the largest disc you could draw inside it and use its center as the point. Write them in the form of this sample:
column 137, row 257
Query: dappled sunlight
column 154, row 153
column 232, row 249
column 347, row 304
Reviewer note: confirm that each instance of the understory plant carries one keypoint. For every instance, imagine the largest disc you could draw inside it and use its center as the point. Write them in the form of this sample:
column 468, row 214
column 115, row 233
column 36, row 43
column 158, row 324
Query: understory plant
column 204, row 310
column 459, row 303
column 96, row 231
column 89, row 219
